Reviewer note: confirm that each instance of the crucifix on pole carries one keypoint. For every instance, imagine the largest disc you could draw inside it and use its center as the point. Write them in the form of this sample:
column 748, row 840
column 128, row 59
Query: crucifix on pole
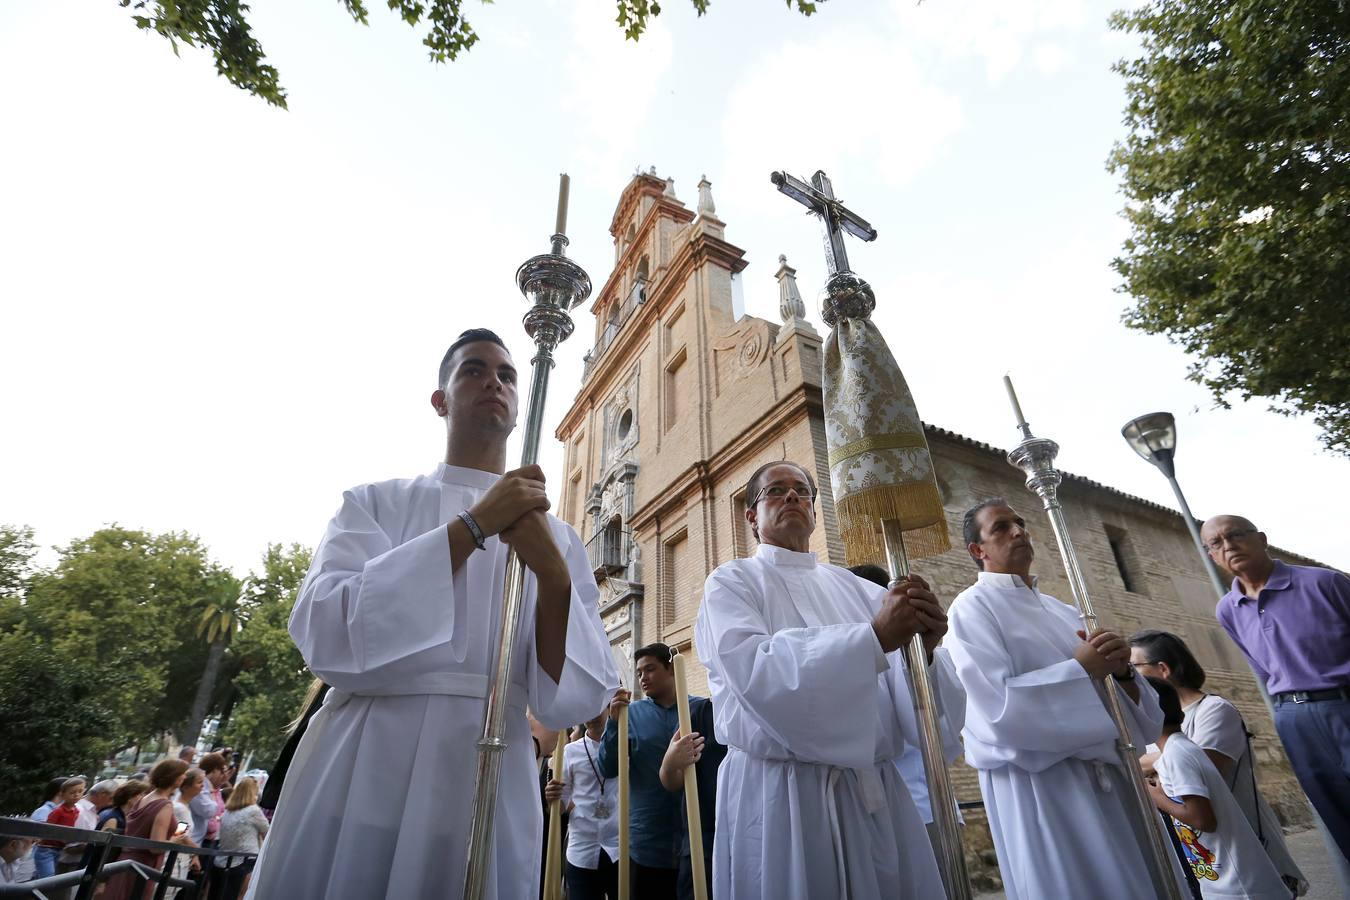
column 883, row 478
column 818, row 197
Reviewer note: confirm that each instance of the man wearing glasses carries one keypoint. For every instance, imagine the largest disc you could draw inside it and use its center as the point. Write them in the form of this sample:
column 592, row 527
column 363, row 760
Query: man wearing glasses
column 813, row 703
column 1293, row 624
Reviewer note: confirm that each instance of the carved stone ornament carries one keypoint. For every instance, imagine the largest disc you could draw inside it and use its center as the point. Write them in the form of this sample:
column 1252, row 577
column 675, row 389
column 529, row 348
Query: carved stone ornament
column 753, row 350
column 619, row 617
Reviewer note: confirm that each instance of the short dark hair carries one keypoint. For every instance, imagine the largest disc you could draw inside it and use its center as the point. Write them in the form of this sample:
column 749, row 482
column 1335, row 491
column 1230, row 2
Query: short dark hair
column 1166, row 647
column 970, row 528
column 211, row 762
column 752, row 487
column 472, row 336
column 166, row 772
column 129, row 791
column 873, row 573
column 1169, row 701
column 658, row 651
column 55, row 787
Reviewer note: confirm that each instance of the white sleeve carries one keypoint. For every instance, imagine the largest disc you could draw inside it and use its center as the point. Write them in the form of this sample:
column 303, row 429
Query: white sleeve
column 950, row 696
column 1185, row 775
column 569, row 772
column 951, row 701
column 1013, row 710
column 789, row 682
column 1145, row 718
column 366, row 604
column 1218, row 726
column 589, row 676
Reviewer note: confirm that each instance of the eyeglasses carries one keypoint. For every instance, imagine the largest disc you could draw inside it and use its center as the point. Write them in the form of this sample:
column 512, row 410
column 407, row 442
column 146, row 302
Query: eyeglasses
column 778, row 491
column 1229, row 536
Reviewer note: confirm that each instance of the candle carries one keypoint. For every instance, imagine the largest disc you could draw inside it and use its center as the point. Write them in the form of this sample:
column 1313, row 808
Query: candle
column 695, row 818
column 564, row 184
column 553, row 867
column 1017, row 407
column 624, row 886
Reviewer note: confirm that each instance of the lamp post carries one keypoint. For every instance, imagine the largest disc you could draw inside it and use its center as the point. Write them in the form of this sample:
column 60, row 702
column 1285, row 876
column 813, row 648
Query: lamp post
column 1154, row 437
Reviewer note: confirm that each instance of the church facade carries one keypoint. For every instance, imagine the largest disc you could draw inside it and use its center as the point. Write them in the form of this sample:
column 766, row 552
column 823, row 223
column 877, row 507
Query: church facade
column 681, row 400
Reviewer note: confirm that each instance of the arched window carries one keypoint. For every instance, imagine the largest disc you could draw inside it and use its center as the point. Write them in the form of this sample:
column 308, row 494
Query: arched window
column 642, row 267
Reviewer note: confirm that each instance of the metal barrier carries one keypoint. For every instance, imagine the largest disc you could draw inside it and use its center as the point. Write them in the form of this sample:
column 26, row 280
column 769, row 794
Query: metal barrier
column 96, row 869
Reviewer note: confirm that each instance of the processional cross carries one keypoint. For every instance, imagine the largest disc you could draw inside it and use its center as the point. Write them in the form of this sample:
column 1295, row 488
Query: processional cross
column 818, row 197
column 863, row 445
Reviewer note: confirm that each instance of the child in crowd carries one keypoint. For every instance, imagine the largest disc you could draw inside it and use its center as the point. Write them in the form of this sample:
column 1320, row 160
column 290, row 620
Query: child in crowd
column 64, row 813
column 1223, row 851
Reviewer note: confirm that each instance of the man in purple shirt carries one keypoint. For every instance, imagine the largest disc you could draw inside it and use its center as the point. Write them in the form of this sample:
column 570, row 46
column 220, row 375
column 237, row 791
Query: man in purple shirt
column 1293, row 624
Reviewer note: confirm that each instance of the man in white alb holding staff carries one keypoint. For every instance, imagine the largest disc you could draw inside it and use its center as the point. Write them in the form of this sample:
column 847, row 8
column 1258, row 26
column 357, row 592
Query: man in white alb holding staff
column 1060, row 808
column 400, row 613
column 813, row 704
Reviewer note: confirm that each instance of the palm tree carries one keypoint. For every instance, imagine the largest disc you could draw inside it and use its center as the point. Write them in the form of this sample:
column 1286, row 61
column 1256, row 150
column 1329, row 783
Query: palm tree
column 219, row 622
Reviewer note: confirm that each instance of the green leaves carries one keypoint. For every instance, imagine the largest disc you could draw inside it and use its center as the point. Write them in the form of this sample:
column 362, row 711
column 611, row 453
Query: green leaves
column 272, row 677
column 222, row 27
column 52, row 716
column 108, row 648
column 1237, row 174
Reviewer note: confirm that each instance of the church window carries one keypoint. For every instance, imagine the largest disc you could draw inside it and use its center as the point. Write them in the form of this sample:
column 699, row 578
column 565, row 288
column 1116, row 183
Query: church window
column 677, row 388
column 642, row 268
column 573, row 504
column 625, row 424
column 673, row 579
column 1122, row 552
column 671, row 329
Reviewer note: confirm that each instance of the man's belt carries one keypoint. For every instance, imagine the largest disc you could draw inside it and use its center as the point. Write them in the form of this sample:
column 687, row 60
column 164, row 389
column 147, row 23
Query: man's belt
column 1313, row 696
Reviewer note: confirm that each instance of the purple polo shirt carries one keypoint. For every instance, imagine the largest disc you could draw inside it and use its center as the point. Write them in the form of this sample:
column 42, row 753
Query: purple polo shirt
column 1297, row 632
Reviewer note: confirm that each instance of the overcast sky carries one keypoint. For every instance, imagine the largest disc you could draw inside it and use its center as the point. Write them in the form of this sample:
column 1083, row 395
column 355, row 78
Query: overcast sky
column 218, row 315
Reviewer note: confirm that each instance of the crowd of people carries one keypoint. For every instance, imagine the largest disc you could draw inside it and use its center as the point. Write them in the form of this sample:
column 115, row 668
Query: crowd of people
column 804, row 751
column 205, row 804
column 805, row 748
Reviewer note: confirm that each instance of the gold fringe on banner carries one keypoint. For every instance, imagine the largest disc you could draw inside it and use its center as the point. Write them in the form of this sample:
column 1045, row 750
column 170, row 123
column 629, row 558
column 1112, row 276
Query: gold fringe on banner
column 918, row 507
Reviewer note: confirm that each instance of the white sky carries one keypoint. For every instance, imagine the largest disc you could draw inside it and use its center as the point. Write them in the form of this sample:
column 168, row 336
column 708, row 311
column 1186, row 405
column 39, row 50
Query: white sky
column 218, row 315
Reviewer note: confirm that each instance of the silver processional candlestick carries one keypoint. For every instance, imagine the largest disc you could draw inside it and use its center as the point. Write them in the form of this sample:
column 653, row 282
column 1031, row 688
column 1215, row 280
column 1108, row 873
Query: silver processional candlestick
column 553, row 285
column 1036, row 457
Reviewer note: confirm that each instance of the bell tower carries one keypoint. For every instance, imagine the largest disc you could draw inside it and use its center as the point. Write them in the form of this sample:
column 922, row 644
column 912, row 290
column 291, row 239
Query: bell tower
column 680, row 401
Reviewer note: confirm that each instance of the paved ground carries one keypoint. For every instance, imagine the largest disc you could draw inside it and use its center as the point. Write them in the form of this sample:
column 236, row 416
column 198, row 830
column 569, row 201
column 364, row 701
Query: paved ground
column 1310, row 853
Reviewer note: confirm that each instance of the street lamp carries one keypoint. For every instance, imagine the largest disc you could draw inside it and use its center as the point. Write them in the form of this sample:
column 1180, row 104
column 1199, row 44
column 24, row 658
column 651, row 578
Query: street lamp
column 1154, row 437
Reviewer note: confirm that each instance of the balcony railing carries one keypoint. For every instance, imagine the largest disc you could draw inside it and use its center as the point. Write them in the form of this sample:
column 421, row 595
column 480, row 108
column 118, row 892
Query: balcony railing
column 608, row 550
column 636, row 297
column 96, row 866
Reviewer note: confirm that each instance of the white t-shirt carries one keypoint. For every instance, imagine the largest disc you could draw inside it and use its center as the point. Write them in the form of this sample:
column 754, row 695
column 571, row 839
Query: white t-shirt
column 1212, row 723
column 1229, row 862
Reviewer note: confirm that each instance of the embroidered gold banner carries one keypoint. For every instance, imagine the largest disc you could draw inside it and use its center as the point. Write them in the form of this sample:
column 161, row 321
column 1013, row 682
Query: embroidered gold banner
column 879, row 461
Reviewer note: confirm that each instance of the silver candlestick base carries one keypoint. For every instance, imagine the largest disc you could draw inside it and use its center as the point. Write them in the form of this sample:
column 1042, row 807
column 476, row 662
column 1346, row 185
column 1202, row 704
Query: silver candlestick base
column 846, row 296
column 554, row 285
